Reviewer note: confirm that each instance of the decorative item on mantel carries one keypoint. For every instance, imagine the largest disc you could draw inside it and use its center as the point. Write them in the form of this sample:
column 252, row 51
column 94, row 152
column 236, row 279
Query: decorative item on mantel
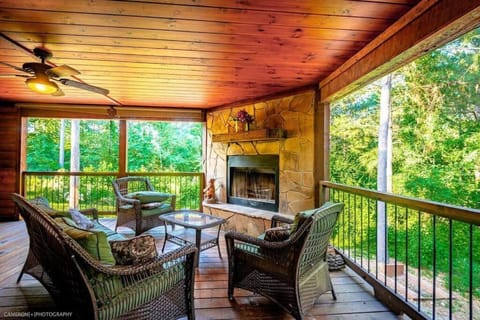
column 209, row 192
column 242, row 120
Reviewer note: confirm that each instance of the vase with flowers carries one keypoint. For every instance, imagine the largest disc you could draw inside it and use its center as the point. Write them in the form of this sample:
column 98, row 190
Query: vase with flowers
column 242, row 120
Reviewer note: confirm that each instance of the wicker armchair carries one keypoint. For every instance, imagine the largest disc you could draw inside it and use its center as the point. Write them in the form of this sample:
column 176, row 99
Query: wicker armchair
column 161, row 288
column 131, row 212
column 292, row 272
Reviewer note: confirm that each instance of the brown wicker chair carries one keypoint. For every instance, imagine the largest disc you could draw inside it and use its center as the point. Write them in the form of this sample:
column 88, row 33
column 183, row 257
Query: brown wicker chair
column 131, row 212
column 291, row 273
column 161, row 288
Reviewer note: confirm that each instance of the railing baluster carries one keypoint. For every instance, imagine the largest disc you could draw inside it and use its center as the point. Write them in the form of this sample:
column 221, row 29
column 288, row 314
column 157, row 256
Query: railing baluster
column 395, row 245
column 361, row 231
column 434, row 280
column 349, row 226
column 450, row 267
column 419, row 276
column 368, row 236
column 406, row 253
column 470, row 272
column 376, row 242
column 355, row 227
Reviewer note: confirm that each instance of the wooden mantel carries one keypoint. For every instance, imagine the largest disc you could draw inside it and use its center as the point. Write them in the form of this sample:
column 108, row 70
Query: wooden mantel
column 251, row 135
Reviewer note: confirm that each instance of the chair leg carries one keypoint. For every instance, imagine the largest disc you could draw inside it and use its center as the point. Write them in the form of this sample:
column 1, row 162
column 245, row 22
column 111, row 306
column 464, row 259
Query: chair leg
column 20, row 276
column 230, row 292
column 28, row 264
column 230, row 284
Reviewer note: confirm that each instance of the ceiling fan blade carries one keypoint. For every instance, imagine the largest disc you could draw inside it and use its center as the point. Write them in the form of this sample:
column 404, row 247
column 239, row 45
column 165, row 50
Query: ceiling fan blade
column 12, row 66
column 14, row 76
column 84, row 86
column 62, row 71
column 58, row 93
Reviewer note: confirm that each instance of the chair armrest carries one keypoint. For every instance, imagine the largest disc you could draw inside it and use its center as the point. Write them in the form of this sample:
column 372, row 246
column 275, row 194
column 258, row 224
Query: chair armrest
column 90, row 212
column 276, row 219
column 149, row 268
column 232, row 236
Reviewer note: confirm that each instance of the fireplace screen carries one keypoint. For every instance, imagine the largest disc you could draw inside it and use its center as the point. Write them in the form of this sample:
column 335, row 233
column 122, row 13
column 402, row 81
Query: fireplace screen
column 253, row 181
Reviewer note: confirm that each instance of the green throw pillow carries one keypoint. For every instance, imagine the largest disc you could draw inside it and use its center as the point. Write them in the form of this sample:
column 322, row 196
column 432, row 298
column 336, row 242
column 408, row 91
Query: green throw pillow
column 300, row 218
column 93, row 241
column 148, row 196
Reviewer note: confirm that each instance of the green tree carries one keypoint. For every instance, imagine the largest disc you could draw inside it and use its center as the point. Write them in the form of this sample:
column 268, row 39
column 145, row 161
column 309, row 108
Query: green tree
column 164, row 146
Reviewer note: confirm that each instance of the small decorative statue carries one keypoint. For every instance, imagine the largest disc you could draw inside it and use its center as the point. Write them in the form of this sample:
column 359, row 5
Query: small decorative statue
column 209, row 192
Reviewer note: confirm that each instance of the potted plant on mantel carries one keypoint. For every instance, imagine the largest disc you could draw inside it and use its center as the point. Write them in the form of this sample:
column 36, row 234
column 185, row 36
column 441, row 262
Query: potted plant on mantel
column 242, row 120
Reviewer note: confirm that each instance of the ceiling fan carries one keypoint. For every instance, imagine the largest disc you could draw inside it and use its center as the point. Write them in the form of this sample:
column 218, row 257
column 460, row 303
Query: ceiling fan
column 42, row 77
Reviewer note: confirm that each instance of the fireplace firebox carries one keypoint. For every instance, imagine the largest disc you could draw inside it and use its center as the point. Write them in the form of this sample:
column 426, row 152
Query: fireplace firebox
column 253, row 181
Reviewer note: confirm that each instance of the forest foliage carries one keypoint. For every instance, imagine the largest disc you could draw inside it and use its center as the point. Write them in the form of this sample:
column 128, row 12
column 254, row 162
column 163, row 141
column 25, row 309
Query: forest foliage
column 435, row 128
column 153, row 146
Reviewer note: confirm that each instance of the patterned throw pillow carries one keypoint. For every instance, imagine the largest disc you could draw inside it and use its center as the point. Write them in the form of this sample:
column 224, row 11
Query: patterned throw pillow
column 134, row 251
column 80, row 219
column 277, row 234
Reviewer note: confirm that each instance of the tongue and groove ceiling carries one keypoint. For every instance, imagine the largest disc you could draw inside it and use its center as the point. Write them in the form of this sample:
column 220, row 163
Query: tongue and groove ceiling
column 187, row 53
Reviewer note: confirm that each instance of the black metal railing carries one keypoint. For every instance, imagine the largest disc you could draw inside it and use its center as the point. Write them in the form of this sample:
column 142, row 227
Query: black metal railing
column 94, row 189
column 432, row 264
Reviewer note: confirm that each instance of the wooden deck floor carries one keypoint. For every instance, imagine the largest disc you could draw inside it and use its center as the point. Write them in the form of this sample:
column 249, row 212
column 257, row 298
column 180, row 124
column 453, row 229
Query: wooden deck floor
column 354, row 298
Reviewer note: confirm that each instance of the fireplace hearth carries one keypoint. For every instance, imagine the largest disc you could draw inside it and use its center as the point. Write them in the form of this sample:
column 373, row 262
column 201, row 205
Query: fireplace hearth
column 253, row 181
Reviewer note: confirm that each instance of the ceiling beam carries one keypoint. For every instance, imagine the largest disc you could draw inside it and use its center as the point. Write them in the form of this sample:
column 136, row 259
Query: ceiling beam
column 427, row 26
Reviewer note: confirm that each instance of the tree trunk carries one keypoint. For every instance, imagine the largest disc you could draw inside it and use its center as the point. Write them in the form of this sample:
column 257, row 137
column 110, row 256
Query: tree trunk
column 384, row 168
column 74, row 163
column 61, row 152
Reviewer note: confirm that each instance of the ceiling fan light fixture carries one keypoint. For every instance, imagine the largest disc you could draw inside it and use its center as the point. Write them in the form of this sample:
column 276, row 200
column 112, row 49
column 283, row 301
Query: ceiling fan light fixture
column 42, row 85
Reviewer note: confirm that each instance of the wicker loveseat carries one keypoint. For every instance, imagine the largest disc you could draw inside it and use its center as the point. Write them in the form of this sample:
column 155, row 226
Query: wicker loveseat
column 138, row 205
column 292, row 272
column 158, row 288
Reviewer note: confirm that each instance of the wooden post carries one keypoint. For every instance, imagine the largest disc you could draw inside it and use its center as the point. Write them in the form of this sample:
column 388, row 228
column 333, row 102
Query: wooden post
column 122, row 149
column 321, row 147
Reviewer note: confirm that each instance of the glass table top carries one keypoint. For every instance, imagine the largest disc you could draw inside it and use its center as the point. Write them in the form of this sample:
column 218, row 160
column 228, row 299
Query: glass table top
column 192, row 219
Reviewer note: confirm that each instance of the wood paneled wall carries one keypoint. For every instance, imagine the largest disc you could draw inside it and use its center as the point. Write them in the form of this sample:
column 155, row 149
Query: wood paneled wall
column 10, row 133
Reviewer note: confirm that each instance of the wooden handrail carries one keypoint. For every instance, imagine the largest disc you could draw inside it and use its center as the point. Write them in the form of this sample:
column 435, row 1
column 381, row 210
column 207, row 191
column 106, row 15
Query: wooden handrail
column 83, row 173
column 458, row 213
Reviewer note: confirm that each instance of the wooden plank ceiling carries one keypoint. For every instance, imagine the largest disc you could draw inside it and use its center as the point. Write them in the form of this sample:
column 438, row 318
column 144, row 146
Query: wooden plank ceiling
column 187, row 53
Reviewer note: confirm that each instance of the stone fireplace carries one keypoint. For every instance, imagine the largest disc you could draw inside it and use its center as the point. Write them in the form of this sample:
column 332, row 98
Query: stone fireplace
column 253, row 181
column 295, row 151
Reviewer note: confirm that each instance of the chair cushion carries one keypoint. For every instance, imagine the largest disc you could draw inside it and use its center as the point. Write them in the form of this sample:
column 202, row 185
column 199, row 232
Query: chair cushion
column 93, row 241
column 150, row 205
column 164, row 208
column 43, row 205
column 148, row 196
column 143, row 292
column 97, row 226
column 134, row 251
